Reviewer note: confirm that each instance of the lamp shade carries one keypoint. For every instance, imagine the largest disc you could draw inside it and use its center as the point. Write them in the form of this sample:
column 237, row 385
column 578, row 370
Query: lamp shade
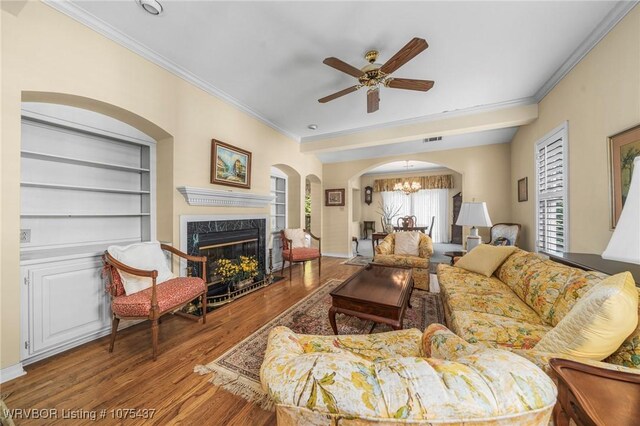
column 624, row 245
column 473, row 214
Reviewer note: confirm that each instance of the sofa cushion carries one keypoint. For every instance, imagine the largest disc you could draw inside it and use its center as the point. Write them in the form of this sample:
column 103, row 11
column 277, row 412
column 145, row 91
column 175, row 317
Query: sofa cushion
column 401, row 260
column 628, row 354
column 147, row 256
column 496, row 330
column 169, row 295
column 549, row 288
column 452, row 279
column 598, row 323
column 484, row 259
column 497, row 302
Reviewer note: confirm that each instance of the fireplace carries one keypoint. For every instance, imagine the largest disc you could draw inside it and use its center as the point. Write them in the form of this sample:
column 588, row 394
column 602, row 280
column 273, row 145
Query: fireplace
column 226, row 239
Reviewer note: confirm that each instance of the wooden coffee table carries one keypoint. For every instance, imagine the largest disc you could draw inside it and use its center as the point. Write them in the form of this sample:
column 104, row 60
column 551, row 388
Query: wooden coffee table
column 377, row 292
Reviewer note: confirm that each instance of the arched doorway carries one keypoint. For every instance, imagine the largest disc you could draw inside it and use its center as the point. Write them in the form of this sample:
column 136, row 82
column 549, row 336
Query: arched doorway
column 287, row 210
column 434, row 202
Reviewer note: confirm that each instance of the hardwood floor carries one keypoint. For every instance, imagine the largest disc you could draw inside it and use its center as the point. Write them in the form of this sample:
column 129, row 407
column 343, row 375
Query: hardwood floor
column 90, row 378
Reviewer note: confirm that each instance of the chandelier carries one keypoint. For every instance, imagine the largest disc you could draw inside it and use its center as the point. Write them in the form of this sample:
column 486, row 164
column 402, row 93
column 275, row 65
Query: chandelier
column 406, row 186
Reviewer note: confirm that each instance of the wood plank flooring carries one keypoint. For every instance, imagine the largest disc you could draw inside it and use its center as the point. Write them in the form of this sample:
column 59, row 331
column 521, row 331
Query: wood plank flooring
column 90, row 378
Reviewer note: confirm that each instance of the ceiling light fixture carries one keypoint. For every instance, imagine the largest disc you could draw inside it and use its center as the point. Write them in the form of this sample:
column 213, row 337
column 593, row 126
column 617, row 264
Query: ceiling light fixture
column 151, row 6
column 406, row 186
column 312, row 127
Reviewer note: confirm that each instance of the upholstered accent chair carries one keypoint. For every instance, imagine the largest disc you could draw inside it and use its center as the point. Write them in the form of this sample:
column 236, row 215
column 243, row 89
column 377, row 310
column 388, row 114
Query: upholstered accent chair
column 385, row 253
column 297, row 248
column 508, row 231
column 149, row 298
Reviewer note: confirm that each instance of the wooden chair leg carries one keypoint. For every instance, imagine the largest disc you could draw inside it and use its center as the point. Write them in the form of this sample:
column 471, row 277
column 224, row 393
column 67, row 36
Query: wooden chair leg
column 204, row 306
column 154, row 337
column 114, row 329
column 290, row 271
column 320, row 265
column 282, row 268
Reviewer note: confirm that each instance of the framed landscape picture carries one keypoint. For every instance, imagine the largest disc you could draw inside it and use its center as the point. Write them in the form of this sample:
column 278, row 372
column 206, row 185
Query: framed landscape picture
column 623, row 149
column 230, row 165
column 334, row 197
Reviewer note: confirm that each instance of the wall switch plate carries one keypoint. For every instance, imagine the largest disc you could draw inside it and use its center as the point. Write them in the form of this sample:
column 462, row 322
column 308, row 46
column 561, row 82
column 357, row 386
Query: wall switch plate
column 25, row 236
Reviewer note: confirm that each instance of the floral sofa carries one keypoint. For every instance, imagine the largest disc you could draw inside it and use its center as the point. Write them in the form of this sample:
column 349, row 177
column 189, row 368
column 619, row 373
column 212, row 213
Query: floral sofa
column 401, row 377
column 525, row 300
column 384, row 254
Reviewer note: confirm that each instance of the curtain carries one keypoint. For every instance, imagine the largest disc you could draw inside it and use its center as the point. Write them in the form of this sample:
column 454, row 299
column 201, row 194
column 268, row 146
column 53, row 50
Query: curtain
column 397, row 200
column 423, row 204
column 427, row 182
column 429, row 203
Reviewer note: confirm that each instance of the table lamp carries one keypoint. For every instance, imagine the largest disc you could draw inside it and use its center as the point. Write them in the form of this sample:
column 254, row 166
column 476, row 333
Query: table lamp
column 473, row 214
column 624, row 245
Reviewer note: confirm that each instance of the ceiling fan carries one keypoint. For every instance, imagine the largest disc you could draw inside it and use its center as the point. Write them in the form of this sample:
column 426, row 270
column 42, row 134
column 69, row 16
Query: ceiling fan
column 373, row 75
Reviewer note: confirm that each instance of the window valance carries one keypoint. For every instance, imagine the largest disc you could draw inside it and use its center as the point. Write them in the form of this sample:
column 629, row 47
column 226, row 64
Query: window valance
column 427, row 182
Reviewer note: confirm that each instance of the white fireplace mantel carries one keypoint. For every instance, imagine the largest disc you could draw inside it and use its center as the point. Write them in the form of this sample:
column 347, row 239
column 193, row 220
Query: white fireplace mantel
column 211, row 197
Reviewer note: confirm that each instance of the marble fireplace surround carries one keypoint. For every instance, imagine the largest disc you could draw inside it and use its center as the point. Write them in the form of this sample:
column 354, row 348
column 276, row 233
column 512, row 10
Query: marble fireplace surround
column 212, row 223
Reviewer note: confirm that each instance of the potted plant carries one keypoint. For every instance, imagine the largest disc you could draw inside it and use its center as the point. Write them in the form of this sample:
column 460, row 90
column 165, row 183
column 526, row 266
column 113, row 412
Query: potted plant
column 388, row 212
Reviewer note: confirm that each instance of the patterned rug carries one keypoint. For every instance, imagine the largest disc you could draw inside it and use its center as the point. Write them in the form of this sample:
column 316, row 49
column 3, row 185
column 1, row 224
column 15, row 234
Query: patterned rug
column 238, row 370
column 359, row 261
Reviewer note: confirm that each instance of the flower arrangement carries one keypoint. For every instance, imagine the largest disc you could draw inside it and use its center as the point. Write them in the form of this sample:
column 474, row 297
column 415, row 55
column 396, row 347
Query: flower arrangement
column 234, row 270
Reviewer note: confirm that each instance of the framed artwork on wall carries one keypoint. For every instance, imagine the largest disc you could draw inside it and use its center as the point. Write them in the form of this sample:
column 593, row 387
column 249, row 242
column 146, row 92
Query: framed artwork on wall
column 523, row 189
column 230, row 165
column 623, row 149
column 334, row 197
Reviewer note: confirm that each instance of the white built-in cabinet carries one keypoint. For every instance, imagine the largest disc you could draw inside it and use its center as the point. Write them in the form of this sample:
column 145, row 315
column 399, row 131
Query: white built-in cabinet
column 278, row 215
column 87, row 181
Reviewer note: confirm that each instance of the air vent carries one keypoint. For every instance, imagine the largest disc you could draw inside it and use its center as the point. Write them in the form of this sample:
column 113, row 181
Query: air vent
column 433, row 139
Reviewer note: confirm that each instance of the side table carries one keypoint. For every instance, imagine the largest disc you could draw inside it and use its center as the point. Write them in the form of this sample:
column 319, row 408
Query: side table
column 368, row 225
column 594, row 396
column 454, row 254
column 375, row 240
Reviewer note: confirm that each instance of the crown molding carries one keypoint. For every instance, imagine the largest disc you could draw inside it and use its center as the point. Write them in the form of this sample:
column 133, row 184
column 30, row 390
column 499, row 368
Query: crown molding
column 614, row 16
column 424, row 119
column 103, row 28
column 214, row 198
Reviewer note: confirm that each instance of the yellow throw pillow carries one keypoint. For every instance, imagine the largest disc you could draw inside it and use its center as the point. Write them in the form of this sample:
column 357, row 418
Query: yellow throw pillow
column 598, row 323
column 485, row 259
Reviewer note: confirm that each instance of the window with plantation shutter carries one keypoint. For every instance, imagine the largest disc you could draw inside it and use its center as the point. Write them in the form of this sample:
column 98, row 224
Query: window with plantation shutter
column 551, row 192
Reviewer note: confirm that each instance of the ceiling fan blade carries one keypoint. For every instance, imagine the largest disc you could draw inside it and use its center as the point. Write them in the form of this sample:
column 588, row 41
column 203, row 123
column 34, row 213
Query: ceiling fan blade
column 373, row 100
column 404, row 55
column 340, row 93
column 343, row 66
column 410, row 84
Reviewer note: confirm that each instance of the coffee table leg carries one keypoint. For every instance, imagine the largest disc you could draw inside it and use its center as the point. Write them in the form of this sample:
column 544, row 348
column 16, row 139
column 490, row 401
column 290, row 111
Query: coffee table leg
column 410, row 294
column 332, row 320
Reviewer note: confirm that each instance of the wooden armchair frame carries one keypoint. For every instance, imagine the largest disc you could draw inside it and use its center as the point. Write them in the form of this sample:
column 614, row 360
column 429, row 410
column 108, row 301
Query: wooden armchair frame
column 515, row 243
column 154, row 313
column 287, row 245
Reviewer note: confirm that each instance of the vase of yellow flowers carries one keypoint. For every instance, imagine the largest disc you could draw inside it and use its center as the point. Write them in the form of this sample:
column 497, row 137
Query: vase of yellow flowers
column 238, row 273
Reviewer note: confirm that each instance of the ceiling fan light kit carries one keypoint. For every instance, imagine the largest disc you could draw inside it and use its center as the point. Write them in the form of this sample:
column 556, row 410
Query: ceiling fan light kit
column 375, row 75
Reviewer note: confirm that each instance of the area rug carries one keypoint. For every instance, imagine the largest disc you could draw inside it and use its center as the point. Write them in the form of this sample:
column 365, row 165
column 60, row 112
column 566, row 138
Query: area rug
column 238, row 369
column 359, row 261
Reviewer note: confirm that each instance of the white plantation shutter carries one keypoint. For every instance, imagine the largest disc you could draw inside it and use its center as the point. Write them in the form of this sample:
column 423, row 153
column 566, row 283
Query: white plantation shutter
column 551, row 192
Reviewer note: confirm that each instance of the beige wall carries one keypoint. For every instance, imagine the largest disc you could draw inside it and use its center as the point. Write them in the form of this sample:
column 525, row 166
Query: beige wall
column 485, row 172
column 599, row 98
column 43, row 51
column 370, row 212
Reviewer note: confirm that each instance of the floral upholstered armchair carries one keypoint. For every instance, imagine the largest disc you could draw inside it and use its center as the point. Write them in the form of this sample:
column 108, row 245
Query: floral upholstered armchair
column 387, row 254
column 401, row 377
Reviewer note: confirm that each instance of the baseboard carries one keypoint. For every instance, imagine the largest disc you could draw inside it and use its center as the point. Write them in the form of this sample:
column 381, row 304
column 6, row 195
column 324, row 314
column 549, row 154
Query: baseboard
column 12, row 372
column 341, row 255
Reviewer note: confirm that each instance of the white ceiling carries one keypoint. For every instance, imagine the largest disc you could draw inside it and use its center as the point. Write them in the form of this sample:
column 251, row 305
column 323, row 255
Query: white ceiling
column 404, row 166
column 267, row 56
